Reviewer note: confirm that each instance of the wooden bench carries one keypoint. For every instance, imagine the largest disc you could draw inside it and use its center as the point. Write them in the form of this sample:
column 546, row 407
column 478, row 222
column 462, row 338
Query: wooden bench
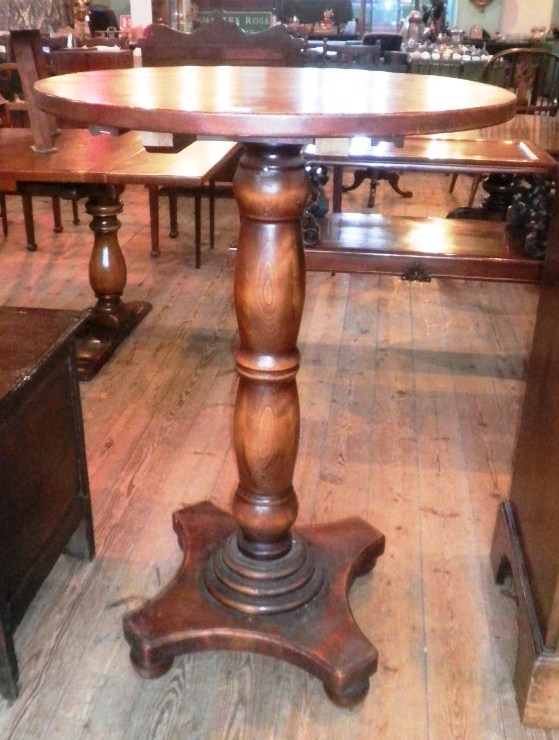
column 419, row 248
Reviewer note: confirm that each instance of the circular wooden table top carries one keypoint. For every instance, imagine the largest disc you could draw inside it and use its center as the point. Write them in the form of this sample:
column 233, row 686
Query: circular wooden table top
column 274, row 102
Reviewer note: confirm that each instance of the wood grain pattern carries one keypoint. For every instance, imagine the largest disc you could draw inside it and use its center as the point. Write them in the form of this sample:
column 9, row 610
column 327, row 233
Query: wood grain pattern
column 191, row 100
column 262, row 570
column 374, row 442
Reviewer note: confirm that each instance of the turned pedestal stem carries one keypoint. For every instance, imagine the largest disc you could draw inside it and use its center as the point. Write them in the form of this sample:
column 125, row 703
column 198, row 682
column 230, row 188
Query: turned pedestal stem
column 262, row 568
column 107, row 267
column 111, row 319
column 267, row 417
column 249, row 582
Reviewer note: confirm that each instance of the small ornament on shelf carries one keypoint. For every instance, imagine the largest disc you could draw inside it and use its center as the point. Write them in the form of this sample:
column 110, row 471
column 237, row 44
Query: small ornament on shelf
column 328, row 19
column 81, row 30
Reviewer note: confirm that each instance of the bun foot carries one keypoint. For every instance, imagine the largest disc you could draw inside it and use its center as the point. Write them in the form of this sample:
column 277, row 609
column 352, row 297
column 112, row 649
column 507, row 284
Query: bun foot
column 349, row 697
column 149, row 670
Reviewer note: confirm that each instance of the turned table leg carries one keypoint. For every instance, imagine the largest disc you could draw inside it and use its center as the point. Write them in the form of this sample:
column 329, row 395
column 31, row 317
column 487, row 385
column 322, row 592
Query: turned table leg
column 249, row 582
column 111, row 319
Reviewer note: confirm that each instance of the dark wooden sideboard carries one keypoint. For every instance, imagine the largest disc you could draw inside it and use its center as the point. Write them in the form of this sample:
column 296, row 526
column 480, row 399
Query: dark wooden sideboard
column 44, row 489
column 526, row 539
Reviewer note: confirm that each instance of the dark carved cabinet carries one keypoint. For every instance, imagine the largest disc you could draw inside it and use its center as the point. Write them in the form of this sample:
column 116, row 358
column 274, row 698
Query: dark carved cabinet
column 526, row 539
column 44, row 489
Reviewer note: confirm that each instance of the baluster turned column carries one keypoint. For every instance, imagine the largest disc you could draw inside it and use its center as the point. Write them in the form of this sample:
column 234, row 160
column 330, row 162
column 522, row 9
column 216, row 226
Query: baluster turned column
column 262, row 568
column 248, row 582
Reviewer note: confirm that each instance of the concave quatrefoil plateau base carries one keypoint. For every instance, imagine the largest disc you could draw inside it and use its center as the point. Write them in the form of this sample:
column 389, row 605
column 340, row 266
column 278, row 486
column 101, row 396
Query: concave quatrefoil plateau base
column 321, row 636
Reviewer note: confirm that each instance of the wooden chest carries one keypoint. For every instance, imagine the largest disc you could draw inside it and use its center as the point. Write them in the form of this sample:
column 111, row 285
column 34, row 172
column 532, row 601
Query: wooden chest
column 44, row 489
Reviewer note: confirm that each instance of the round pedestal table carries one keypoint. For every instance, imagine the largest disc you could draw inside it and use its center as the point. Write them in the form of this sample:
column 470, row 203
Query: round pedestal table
column 253, row 581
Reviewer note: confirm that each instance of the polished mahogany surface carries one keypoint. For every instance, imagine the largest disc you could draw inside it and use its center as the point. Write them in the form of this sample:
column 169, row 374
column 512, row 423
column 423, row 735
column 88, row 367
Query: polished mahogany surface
column 275, row 101
column 247, row 581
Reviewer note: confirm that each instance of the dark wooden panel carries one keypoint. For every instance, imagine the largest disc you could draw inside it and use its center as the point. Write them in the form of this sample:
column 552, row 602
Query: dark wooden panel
column 65, row 61
column 352, row 242
column 44, row 487
column 534, row 491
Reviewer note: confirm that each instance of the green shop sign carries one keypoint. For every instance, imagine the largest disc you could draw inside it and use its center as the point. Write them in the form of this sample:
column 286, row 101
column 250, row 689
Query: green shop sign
column 247, row 21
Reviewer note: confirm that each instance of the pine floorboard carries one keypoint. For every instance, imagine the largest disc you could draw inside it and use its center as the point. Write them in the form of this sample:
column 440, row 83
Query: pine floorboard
column 410, row 395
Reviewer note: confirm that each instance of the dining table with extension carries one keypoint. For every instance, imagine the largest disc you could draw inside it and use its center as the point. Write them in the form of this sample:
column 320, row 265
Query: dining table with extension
column 252, row 580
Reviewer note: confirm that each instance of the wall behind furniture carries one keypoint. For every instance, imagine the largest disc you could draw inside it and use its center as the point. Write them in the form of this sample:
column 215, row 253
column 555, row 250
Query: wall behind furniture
column 468, row 15
column 120, row 7
column 58, row 13
column 518, row 16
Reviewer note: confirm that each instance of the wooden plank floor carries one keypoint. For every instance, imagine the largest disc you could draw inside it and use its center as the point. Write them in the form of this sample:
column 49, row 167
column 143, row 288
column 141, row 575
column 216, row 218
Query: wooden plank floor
column 410, row 396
